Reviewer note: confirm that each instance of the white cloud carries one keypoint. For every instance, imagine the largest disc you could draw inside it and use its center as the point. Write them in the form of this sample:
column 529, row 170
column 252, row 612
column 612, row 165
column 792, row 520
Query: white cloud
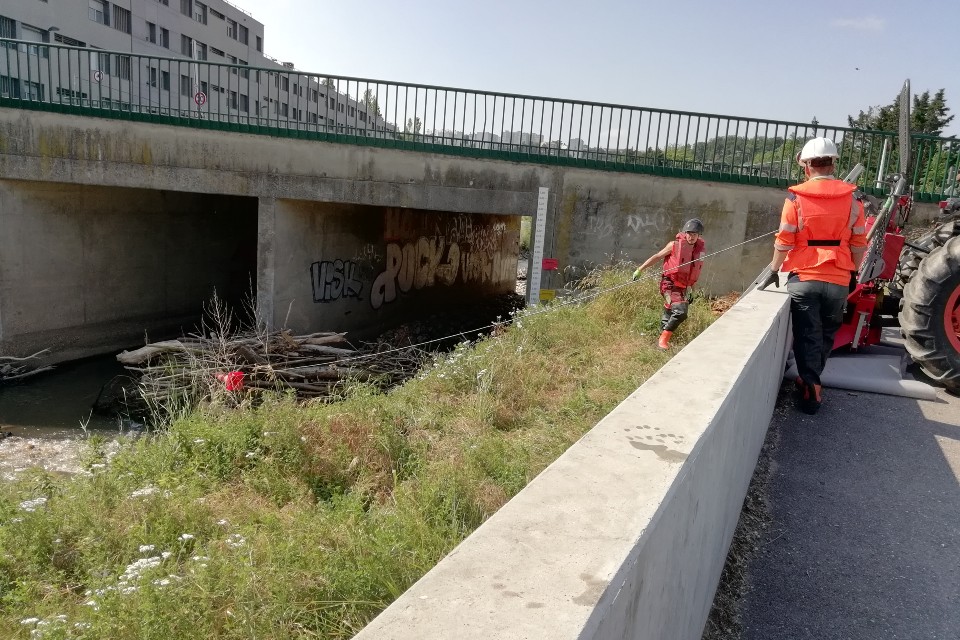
column 870, row 23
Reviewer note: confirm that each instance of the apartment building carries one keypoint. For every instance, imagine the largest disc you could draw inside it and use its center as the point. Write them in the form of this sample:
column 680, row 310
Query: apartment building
column 186, row 57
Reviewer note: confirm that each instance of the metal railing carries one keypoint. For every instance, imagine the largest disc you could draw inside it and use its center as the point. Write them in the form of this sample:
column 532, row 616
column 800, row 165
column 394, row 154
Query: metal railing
column 287, row 102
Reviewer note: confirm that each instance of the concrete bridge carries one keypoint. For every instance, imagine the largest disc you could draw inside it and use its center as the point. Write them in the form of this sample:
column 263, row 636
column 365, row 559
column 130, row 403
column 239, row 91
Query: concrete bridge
column 114, row 228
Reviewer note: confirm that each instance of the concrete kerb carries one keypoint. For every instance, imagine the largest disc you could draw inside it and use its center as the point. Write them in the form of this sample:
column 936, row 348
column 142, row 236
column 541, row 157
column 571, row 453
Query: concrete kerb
column 625, row 535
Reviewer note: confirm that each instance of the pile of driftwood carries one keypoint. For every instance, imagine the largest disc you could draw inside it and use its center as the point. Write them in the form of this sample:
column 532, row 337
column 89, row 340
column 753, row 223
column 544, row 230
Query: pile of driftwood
column 14, row 369
column 313, row 365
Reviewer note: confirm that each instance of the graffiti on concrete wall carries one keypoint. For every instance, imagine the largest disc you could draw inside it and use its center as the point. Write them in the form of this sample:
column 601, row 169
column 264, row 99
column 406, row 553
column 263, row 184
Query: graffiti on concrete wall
column 430, row 261
column 335, row 279
column 462, row 248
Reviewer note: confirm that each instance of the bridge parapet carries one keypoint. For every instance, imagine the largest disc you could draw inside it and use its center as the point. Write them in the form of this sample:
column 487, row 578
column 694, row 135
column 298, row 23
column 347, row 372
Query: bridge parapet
column 285, row 102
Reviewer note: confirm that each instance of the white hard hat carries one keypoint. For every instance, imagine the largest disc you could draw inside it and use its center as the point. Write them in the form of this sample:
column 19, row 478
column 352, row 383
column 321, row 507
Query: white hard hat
column 817, row 148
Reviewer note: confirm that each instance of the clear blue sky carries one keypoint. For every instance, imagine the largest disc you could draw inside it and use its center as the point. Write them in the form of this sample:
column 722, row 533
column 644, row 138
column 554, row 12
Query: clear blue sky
column 764, row 59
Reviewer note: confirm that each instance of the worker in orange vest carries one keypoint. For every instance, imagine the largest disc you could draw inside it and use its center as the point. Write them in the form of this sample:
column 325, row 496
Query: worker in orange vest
column 820, row 243
column 682, row 260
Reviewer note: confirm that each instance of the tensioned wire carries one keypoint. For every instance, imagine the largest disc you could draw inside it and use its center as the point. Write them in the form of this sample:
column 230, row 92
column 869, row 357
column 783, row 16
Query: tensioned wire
column 546, row 309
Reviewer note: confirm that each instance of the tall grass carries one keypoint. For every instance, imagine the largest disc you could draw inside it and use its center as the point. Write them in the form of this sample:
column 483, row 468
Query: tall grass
column 304, row 521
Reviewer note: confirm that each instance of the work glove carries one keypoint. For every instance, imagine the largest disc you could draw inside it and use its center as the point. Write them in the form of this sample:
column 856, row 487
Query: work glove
column 767, row 278
column 636, row 275
column 689, row 297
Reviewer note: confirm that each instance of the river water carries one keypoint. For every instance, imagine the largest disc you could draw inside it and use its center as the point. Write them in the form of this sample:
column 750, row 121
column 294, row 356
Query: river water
column 44, row 414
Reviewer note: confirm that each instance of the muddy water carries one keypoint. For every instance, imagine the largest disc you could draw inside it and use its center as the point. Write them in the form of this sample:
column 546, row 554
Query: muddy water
column 44, row 416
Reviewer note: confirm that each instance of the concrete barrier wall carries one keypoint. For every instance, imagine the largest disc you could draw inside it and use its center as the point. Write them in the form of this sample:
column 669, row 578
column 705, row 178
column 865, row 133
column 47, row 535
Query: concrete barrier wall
column 625, row 535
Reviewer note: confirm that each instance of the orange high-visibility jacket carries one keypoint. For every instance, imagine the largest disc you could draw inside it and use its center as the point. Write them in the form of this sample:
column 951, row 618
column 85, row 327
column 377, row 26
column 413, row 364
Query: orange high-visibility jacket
column 821, row 220
column 683, row 264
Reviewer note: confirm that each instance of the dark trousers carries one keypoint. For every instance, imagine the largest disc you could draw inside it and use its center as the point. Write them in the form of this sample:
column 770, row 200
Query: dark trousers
column 816, row 310
column 674, row 305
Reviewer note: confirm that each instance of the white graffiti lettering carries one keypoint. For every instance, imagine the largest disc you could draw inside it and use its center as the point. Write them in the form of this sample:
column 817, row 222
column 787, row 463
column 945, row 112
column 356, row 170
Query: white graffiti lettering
column 430, row 260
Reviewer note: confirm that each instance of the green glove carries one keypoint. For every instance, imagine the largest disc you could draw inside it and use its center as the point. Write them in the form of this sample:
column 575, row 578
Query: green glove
column 689, row 297
column 636, row 275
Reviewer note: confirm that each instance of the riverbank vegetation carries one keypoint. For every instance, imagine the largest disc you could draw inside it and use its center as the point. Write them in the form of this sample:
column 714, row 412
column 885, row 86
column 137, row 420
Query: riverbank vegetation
column 304, row 520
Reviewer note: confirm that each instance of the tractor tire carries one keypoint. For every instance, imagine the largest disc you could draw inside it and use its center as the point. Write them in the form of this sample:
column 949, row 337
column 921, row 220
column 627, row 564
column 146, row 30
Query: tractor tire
column 930, row 318
column 910, row 258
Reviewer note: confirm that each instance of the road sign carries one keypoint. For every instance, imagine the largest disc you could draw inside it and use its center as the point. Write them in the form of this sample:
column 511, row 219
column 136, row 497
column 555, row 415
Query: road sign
column 97, row 76
column 200, row 98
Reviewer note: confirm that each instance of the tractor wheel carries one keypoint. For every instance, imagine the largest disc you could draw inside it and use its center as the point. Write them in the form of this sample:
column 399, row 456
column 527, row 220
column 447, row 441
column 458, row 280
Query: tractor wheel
column 930, row 318
column 910, row 258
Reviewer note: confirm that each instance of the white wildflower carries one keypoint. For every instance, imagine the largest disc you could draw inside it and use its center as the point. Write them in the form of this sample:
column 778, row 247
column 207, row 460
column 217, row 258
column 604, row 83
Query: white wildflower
column 186, row 536
column 26, row 621
column 146, row 547
column 149, row 490
column 33, row 505
column 199, row 441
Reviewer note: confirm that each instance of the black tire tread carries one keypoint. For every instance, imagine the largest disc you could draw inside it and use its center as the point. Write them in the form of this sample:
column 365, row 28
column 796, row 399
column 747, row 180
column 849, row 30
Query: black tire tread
column 922, row 319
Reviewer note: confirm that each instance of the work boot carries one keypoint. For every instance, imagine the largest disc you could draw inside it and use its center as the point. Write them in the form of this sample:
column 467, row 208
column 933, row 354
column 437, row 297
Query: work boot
column 812, row 399
column 664, row 341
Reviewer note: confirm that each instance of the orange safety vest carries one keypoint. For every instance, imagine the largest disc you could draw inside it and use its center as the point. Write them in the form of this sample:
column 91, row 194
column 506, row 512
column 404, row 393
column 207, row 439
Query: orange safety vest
column 826, row 214
column 683, row 264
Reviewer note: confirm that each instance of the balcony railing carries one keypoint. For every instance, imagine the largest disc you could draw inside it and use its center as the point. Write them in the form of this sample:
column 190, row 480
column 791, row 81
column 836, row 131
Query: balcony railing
column 283, row 101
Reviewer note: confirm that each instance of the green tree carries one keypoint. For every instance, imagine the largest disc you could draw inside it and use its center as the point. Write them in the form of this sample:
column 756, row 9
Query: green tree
column 330, row 83
column 370, row 100
column 927, row 115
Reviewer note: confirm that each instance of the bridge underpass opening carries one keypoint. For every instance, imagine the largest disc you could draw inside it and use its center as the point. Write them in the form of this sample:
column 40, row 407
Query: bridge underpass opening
column 89, row 269
column 364, row 269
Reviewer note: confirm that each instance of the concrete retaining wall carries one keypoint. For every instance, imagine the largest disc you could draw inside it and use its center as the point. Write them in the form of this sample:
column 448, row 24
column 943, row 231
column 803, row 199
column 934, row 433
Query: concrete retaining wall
column 625, row 535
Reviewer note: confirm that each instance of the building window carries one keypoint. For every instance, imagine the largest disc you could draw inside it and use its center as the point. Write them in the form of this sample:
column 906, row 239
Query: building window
column 8, row 28
column 216, row 51
column 165, row 3
column 186, row 45
column 244, row 103
column 164, row 38
column 33, row 35
column 186, row 85
column 121, row 19
column 285, row 83
column 243, row 34
column 259, row 44
column 284, row 109
column 200, row 12
column 9, row 87
column 201, row 51
column 244, row 73
column 161, row 78
column 231, row 29
column 216, row 14
column 98, row 12
column 100, row 62
column 186, row 7
column 333, row 103
column 152, row 32
column 34, row 90
column 68, row 40
column 353, row 112
column 233, row 100
column 123, row 67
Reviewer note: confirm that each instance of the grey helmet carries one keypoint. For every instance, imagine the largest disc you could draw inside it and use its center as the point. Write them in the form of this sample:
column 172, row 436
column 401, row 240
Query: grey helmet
column 693, row 226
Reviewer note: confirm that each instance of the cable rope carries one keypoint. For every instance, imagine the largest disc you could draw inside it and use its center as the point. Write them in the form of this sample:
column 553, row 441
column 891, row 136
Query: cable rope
column 574, row 300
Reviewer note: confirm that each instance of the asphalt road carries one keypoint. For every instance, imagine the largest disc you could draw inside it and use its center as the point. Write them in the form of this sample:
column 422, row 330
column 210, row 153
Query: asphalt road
column 865, row 534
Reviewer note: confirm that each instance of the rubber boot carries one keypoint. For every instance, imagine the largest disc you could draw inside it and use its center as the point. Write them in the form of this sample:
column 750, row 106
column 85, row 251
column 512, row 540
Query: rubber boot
column 812, row 398
column 665, row 318
column 664, row 341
